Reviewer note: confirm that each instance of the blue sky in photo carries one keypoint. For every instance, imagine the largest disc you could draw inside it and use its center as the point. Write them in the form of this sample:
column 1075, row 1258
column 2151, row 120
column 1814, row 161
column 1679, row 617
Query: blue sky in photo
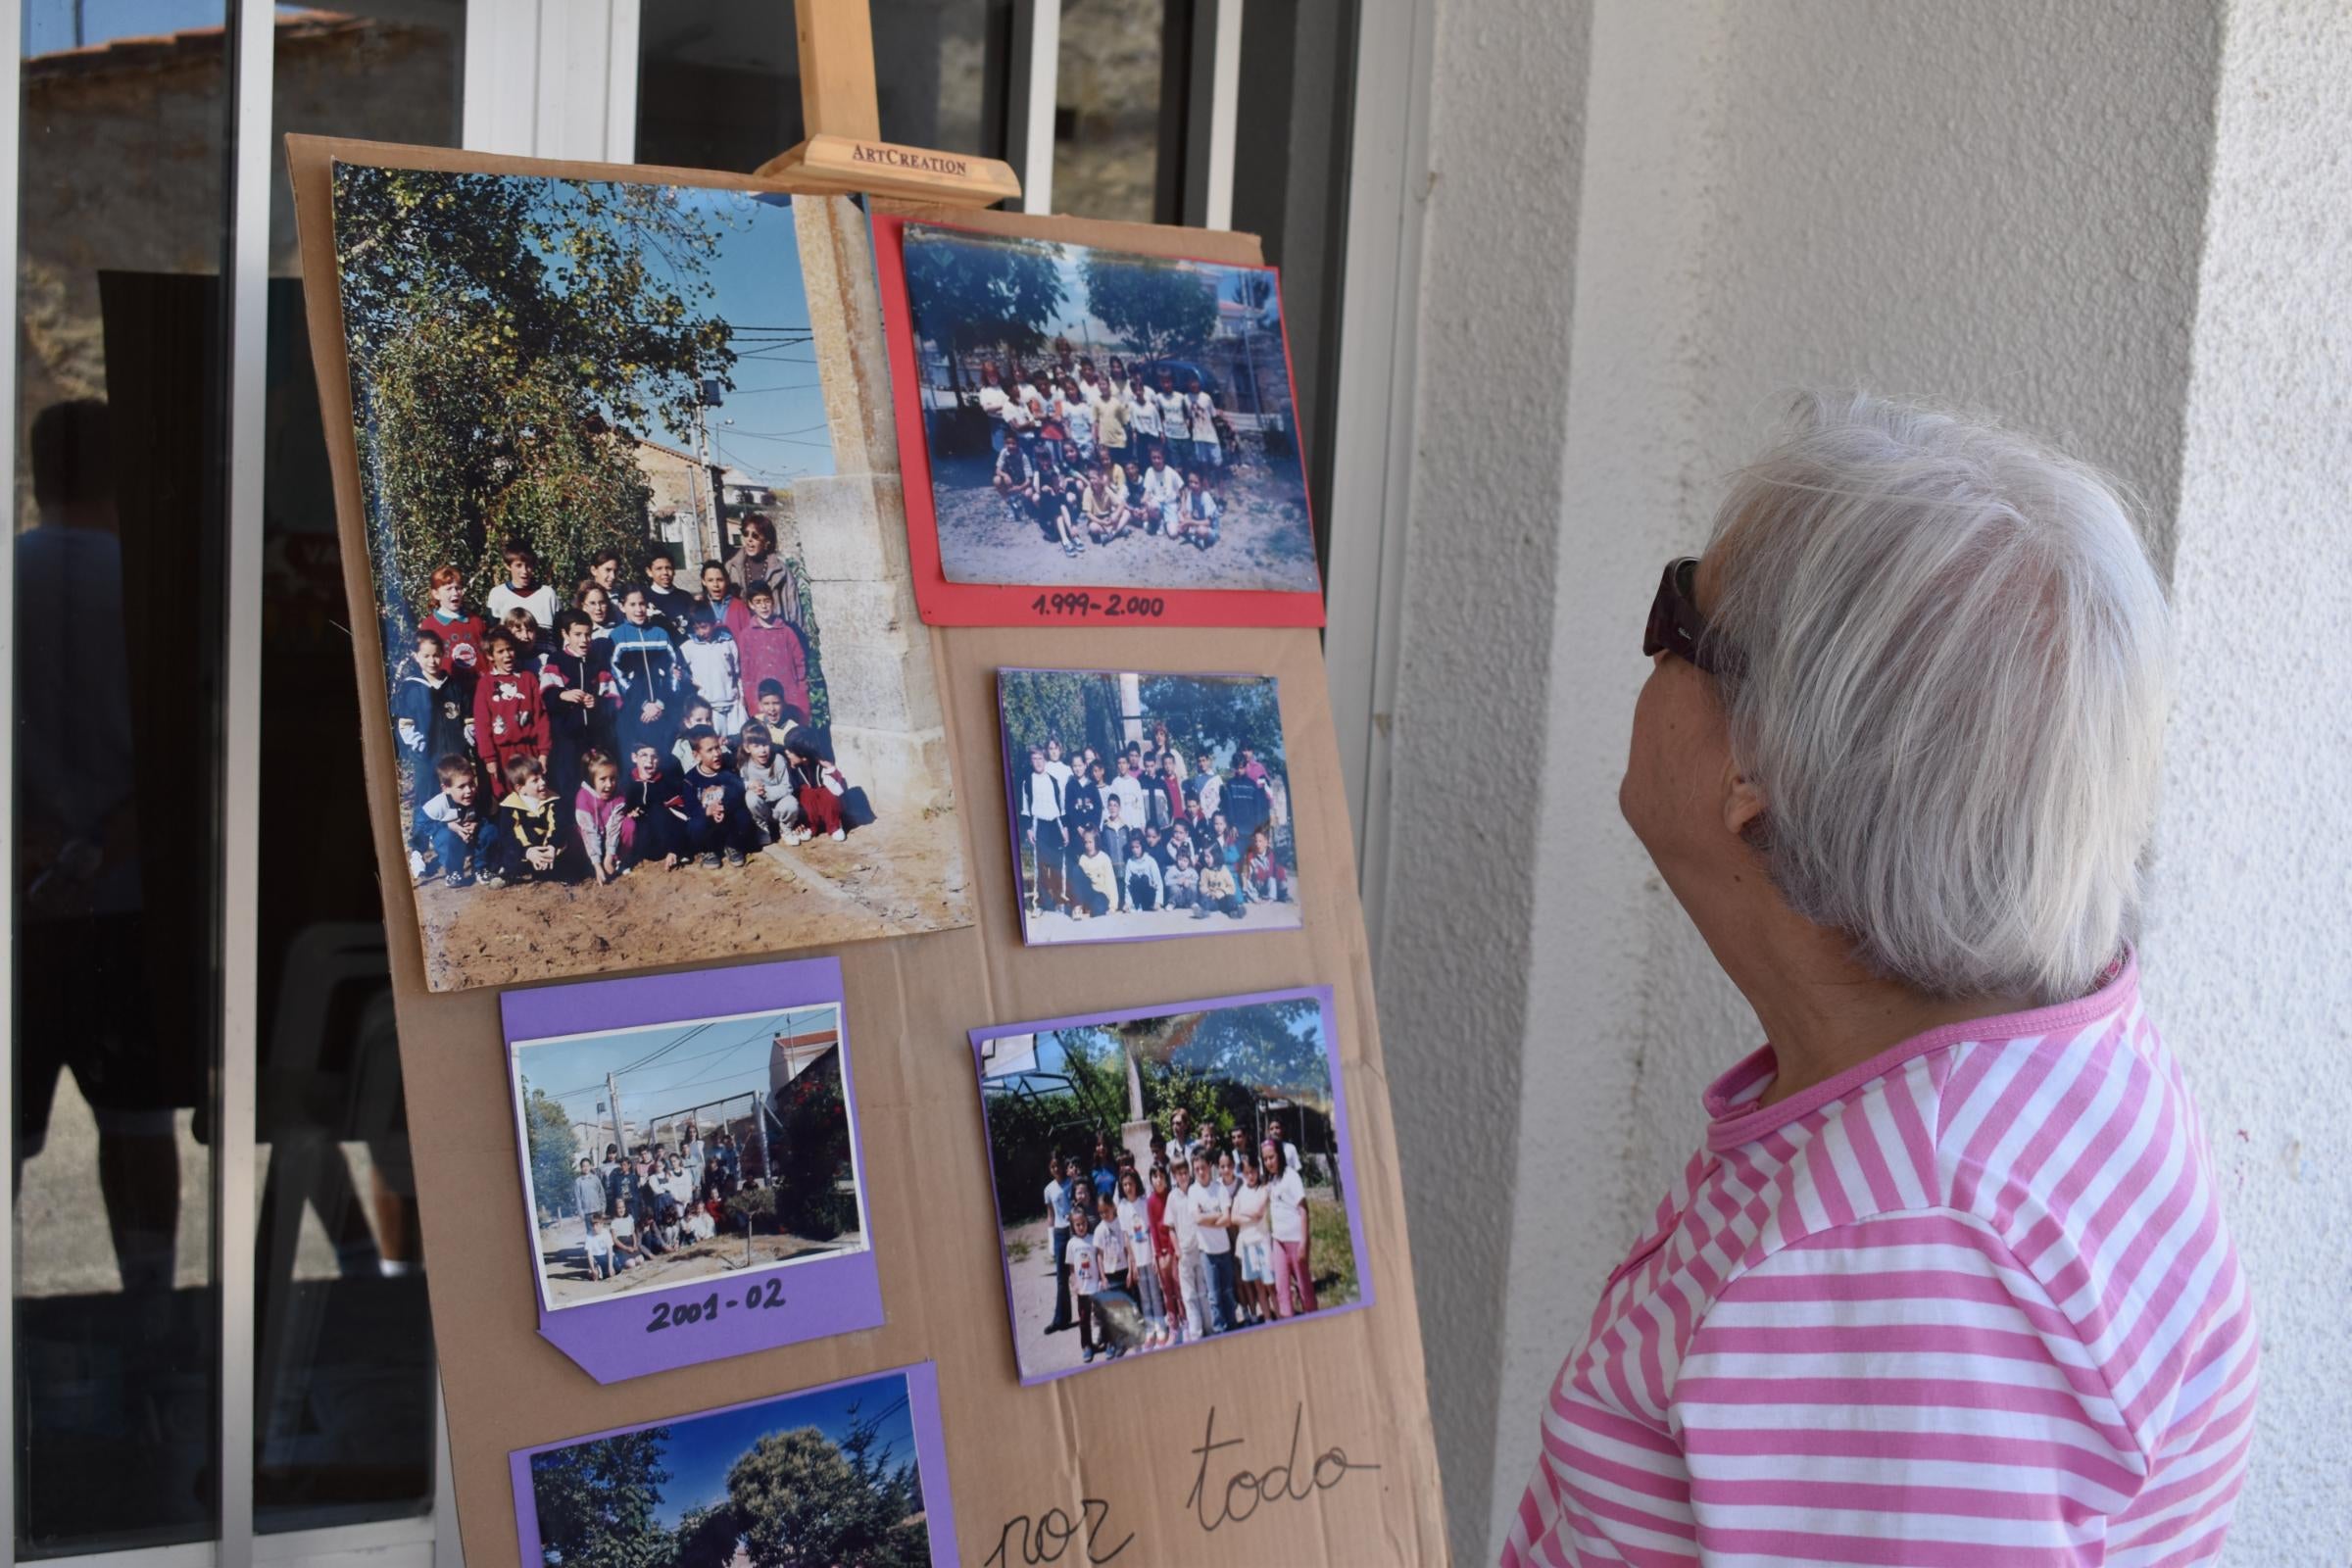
column 778, row 408
column 1080, row 324
column 704, row 1062
column 772, row 424
column 702, row 1449
column 1050, row 1057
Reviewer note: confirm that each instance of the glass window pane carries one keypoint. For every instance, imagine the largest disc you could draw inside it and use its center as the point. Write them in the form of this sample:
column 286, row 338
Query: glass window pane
column 1293, row 116
column 117, row 626
column 718, row 83
column 1115, row 152
column 343, row 1365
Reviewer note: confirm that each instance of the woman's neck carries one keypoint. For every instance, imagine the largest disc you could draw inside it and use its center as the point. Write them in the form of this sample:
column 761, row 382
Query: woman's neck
column 1823, row 1013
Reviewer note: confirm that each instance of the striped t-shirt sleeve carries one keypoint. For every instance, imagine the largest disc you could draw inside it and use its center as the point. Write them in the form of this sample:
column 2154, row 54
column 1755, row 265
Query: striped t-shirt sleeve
column 1899, row 1390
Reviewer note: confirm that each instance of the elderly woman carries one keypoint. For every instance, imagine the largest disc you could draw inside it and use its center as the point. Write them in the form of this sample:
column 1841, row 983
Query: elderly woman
column 1947, row 1281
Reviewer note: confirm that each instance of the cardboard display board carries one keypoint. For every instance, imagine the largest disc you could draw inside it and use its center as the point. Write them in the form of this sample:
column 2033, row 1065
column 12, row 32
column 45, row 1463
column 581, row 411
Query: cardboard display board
column 1311, row 1444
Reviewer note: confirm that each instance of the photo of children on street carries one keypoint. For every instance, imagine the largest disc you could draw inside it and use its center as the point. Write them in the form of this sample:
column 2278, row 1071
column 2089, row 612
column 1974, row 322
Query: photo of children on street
column 1099, row 417
column 661, row 1156
column 836, row 1477
column 1169, row 1176
column 581, row 412
column 1146, row 804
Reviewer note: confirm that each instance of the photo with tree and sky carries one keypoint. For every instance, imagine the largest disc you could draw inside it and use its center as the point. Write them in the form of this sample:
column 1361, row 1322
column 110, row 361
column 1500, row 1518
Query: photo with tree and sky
column 563, row 390
column 1229, row 804
column 825, row 1479
column 986, row 306
column 744, row 1117
column 1119, row 1088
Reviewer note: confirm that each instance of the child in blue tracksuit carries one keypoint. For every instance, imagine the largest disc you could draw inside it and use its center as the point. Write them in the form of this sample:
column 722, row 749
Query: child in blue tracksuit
column 653, row 824
column 432, row 717
column 451, row 826
column 718, row 818
column 648, row 681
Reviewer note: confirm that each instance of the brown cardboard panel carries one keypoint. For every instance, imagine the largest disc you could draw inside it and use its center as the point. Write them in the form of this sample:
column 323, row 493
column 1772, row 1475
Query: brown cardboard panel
column 1117, row 1451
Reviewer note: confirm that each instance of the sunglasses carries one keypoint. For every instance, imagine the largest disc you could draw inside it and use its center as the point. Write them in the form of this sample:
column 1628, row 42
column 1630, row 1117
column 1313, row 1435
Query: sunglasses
column 1675, row 624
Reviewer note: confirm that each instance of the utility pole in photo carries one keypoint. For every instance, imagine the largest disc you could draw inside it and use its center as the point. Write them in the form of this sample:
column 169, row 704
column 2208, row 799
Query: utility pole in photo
column 621, row 1128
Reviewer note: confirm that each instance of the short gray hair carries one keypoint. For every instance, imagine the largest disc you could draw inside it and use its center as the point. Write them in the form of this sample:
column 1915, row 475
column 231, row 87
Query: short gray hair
column 1948, row 668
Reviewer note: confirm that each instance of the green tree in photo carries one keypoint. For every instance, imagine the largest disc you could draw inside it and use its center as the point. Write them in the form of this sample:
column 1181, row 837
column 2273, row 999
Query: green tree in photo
column 978, row 297
column 802, row 1500
column 555, row 1150
column 1269, row 1047
column 505, row 334
column 1043, row 704
column 1161, row 307
column 1204, row 713
column 596, row 1502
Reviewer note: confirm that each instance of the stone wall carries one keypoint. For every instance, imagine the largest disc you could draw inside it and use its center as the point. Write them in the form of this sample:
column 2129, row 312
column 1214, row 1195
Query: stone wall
column 852, row 528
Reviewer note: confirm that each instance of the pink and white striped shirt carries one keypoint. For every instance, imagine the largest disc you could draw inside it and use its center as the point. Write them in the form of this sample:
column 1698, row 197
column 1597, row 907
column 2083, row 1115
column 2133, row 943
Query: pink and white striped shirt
column 1969, row 1302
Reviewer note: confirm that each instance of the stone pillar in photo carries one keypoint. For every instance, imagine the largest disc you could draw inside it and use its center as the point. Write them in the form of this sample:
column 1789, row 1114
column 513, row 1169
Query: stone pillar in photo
column 850, row 529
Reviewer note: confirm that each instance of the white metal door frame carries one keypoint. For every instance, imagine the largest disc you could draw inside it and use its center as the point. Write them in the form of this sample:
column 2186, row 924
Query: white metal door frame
column 1372, row 447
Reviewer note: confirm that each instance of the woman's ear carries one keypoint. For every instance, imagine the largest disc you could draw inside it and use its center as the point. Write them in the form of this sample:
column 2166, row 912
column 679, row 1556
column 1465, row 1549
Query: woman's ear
column 1742, row 801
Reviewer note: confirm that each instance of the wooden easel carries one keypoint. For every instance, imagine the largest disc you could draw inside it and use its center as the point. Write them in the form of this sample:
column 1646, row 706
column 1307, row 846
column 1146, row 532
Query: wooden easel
column 845, row 153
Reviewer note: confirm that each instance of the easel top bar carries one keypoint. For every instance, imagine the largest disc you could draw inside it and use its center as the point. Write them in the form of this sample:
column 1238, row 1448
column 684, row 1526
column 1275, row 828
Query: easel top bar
column 844, row 151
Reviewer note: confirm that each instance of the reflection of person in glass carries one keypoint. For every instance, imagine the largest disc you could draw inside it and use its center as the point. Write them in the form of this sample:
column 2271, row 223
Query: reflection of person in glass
column 82, row 953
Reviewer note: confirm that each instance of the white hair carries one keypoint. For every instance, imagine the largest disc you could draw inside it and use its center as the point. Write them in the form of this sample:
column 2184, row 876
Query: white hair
column 1947, row 664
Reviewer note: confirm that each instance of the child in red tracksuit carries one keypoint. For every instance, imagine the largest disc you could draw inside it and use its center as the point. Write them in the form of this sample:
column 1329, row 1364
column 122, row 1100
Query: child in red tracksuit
column 817, row 783
column 508, row 719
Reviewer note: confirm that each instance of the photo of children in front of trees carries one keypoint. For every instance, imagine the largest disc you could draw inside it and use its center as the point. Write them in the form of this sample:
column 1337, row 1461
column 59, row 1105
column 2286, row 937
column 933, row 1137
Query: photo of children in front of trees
column 1165, row 1178
column 1146, row 804
column 1099, row 417
column 581, row 412
column 659, row 1157
column 830, row 1478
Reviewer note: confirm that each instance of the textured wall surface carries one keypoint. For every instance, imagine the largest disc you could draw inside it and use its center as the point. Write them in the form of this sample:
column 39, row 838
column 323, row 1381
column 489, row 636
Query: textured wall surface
column 1470, row 708
column 2247, row 962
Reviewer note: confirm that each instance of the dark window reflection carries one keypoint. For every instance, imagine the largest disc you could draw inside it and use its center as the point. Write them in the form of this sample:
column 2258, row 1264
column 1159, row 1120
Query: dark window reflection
column 343, row 1363
column 118, row 638
column 718, row 83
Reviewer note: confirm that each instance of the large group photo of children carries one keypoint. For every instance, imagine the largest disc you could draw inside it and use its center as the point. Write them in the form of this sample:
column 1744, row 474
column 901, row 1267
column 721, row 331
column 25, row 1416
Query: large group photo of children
column 1165, row 1179
column 661, row 1156
column 637, row 726
column 1146, row 804
column 1099, row 417
column 600, row 728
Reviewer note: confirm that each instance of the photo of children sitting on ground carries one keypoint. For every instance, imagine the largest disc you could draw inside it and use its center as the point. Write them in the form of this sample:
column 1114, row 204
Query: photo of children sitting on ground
column 1168, row 1176
column 582, row 413
column 823, row 1478
column 1093, row 416
column 1146, row 805
column 719, row 1147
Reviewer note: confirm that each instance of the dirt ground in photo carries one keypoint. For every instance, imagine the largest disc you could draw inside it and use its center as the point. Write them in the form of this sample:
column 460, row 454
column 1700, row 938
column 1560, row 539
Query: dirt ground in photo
column 1263, row 541
column 1029, row 1259
column 1049, row 926
column 565, row 1260
column 899, row 876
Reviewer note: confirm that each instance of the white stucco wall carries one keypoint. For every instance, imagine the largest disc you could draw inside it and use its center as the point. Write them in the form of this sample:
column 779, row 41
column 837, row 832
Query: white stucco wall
column 1468, row 741
column 2003, row 204
column 2249, row 957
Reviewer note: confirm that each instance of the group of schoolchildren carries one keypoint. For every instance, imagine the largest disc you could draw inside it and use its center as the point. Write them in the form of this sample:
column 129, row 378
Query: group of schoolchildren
column 1089, row 458
column 1133, row 832
column 1212, row 1239
column 657, row 1200
column 642, row 724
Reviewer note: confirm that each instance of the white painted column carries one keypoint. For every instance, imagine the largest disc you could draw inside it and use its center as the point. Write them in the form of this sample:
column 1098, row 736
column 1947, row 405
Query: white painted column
column 2251, row 922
